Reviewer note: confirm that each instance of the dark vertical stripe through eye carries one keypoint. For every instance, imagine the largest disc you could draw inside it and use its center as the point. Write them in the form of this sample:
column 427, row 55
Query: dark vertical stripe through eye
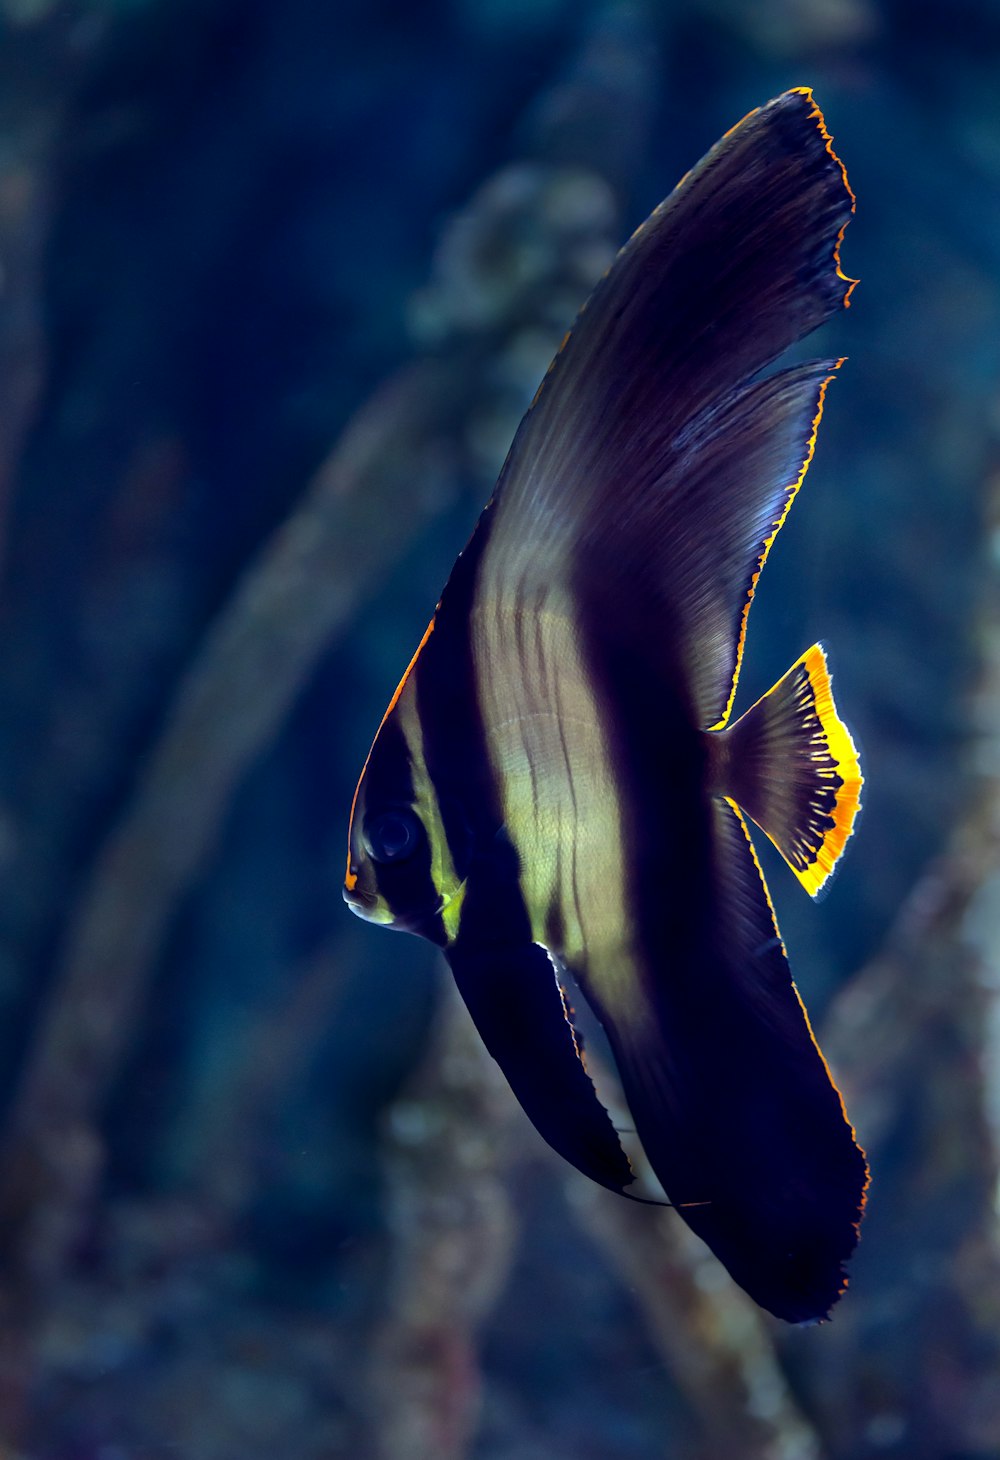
column 407, row 886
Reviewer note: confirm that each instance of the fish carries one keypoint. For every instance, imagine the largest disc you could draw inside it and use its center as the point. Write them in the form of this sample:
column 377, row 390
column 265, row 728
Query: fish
column 559, row 796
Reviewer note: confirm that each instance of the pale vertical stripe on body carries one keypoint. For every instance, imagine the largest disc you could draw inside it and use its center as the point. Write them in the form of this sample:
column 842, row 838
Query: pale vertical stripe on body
column 425, row 804
column 556, row 786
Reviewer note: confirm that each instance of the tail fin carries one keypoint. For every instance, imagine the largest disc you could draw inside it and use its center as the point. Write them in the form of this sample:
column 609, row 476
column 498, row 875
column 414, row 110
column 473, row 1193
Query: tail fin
column 791, row 765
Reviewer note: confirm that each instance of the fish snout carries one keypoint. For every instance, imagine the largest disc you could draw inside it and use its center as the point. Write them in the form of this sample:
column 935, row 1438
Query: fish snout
column 362, row 903
column 370, row 906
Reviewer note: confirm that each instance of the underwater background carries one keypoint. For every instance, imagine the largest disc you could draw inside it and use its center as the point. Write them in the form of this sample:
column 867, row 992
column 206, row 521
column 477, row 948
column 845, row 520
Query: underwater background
column 276, row 283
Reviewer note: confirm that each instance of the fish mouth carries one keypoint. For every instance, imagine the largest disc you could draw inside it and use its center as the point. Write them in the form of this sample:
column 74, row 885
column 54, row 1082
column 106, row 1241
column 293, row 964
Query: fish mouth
column 364, row 905
column 354, row 897
column 424, row 921
column 368, row 905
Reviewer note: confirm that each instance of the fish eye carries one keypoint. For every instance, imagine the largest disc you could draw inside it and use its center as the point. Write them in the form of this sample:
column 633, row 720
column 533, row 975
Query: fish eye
column 391, row 836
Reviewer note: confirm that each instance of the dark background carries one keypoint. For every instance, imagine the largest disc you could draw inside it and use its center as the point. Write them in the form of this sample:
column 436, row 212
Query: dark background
column 277, row 281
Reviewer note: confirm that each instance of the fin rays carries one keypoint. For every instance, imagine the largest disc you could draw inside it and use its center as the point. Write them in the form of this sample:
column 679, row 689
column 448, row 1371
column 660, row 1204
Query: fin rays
column 789, row 762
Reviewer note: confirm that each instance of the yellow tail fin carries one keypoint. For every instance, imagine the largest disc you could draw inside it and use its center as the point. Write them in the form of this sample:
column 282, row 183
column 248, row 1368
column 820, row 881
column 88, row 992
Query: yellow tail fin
column 791, row 765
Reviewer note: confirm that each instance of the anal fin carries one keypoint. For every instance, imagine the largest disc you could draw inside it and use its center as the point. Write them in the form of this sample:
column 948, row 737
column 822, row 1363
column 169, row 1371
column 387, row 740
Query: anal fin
column 791, row 765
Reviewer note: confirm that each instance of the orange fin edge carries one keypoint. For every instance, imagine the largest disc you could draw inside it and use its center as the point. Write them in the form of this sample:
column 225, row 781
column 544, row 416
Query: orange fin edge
column 790, row 763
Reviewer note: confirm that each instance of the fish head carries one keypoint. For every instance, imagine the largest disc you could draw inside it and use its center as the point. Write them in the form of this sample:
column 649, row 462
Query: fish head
column 400, row 872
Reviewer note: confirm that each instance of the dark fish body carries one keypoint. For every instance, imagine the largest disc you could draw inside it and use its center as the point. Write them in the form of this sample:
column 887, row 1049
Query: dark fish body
column 558, row 783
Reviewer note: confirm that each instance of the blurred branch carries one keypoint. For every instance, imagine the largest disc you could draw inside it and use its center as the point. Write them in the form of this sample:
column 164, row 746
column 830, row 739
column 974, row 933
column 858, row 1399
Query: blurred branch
column 533, row 238
column 715, row 1343
column 453, row 1227
column 910, row 1039
column 373, row 495
column 914, row 1041
column 34, row 83
column 512, row 269
column 23, row 206
column 279, row 1044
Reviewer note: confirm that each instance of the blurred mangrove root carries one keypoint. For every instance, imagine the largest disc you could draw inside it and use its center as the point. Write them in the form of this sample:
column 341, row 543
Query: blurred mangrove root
column 715, row 1343
column 377, row 489
column 278, row 1045
column 914, row 1037
column 453, row 1229
column 529, row 247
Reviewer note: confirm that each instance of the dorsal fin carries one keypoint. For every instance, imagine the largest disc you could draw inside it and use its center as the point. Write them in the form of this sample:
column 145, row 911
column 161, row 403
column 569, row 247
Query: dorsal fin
column 652, row 463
